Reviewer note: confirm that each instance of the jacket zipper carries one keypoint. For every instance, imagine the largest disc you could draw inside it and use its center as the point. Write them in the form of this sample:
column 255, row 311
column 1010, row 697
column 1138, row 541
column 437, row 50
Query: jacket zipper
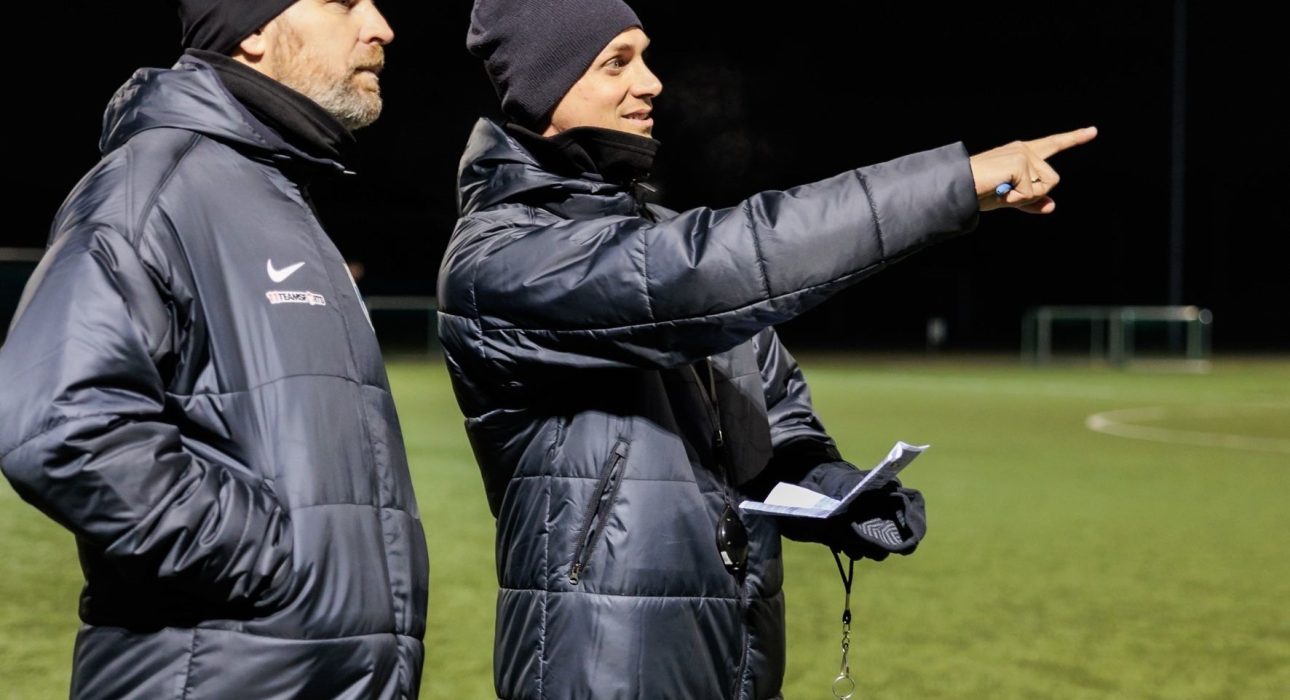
column 594, row 521
column 638, row 187
column 719, row 439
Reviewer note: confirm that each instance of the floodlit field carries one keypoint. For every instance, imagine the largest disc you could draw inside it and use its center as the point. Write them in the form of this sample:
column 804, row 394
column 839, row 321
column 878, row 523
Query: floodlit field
column 1148, row 559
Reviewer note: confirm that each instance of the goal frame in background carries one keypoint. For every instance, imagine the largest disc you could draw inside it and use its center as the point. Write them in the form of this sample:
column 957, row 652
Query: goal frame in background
column 1112, row 332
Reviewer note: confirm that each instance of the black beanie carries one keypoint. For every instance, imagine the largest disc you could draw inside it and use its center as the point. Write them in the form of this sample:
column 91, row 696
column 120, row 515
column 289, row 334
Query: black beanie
column 535, row 50
column 220, row 25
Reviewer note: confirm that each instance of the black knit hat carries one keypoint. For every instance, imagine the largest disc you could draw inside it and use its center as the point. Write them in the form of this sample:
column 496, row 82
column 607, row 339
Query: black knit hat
column 220, row 25
column 535, row 50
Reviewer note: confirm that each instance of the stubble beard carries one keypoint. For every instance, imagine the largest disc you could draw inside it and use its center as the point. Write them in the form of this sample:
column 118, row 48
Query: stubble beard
column 302, row 70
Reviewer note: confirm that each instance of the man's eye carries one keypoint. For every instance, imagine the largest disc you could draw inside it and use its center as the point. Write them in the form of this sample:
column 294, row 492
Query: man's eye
column 615, row 62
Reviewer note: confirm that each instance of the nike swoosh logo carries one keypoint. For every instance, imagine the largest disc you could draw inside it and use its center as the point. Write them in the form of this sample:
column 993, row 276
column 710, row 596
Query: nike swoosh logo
column 281, row 275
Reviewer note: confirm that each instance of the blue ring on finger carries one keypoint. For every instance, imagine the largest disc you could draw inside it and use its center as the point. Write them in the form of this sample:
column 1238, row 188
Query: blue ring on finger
column 1003, row 189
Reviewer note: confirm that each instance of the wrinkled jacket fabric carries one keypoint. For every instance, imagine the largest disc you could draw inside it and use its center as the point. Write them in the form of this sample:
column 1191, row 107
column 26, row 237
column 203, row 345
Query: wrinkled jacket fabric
column 579, row 329
column 191, row 387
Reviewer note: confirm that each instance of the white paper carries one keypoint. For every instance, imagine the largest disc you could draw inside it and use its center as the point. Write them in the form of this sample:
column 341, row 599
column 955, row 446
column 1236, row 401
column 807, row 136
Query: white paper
column 794, row 496
column 793, row 500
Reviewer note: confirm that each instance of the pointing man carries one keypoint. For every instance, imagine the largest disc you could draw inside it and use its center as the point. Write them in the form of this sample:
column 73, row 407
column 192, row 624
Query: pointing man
column 623, row 385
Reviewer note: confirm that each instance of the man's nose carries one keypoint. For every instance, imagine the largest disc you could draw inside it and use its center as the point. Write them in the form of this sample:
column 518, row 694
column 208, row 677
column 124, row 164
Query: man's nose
column 375, row 28
column 647, row 84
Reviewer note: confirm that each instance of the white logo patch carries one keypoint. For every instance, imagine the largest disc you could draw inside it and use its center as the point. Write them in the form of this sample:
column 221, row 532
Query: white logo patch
column 281, row 275
column 296, row 298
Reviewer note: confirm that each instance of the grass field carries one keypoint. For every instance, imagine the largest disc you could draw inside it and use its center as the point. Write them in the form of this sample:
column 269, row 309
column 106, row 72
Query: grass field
column 1060, row 562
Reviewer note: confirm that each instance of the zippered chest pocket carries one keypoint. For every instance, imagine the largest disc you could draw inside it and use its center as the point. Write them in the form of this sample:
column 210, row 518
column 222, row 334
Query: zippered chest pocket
column 602, row 500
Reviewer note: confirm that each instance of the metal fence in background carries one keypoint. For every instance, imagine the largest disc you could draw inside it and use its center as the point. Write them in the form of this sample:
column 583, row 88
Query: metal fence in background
column 1118, row 335
column 405, row 324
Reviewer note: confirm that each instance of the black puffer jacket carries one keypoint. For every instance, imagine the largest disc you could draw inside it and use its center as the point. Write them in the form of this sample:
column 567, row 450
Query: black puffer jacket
column 579, row 332
column 191, row 386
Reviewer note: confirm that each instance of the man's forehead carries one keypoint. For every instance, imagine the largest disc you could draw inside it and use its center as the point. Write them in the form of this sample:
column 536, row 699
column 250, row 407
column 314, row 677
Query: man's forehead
column 620, row 44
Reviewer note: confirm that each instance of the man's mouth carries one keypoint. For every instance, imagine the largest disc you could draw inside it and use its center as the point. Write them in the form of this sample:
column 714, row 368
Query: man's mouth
column 371, row 62
column 373, row 71
column 641, row 116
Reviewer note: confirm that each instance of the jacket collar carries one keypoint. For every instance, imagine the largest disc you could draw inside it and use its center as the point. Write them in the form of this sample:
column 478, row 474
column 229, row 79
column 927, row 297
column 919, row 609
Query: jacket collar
column 190, row 96
column 496, row 169
column 290, row 114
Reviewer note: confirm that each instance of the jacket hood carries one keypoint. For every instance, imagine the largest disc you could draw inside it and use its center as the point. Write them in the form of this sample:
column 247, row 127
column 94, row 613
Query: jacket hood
column 497, row 169
column 190, row 96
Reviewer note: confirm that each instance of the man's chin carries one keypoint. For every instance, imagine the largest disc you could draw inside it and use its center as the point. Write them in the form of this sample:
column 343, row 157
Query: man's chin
column 369, row 118
column 636, row 126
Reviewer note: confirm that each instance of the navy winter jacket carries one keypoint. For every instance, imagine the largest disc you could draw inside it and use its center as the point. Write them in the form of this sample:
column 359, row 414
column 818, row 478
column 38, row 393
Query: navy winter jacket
column 192, row 388
column 580, row 330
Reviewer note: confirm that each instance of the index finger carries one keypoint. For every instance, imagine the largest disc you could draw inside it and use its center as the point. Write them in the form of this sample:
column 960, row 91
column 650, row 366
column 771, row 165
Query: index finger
column 1056, row 143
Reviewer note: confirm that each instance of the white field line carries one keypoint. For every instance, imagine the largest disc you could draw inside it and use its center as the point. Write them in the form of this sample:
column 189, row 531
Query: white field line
column 1121, row 423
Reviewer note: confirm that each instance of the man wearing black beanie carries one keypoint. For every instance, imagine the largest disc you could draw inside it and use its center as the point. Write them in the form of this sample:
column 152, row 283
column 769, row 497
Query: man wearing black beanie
column 192, row 386
column 622, row 380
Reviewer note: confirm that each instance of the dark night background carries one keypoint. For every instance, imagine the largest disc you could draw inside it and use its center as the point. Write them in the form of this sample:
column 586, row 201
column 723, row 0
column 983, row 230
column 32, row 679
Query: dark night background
column 769, row 98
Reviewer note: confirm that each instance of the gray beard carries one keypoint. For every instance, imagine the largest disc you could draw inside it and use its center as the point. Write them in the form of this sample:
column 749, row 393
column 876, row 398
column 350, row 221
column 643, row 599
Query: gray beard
column 301, row 71
column 353, row 107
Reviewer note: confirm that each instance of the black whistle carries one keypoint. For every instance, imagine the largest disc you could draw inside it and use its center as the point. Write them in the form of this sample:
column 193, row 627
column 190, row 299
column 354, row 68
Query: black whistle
column 732, row 541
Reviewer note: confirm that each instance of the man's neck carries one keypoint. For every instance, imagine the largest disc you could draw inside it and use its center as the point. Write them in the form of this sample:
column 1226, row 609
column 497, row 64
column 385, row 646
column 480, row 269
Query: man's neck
column 299, row 120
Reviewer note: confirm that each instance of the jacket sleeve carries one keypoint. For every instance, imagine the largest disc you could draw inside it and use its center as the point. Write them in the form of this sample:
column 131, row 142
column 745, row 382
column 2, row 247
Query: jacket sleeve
column 629, row 292
column 85, row 438
column 802, row 452
column 890, row 519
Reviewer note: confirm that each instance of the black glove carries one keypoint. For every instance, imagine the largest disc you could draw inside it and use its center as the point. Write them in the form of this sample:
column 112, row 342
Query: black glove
column 888, row 520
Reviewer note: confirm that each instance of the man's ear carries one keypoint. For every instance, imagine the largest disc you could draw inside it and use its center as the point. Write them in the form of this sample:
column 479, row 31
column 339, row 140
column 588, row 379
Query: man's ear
column 253, row 48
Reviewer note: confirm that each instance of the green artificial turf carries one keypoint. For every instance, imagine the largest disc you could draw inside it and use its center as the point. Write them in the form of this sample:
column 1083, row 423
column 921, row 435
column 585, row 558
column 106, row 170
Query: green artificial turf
column 1060, row 562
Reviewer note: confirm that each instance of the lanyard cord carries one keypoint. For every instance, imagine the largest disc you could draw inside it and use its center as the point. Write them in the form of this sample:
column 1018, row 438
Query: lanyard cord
column 712, row 404
column 844, row 686
column 713, row 407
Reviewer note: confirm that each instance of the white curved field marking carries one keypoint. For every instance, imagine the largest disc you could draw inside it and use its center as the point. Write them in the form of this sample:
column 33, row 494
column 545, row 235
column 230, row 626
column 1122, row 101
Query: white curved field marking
column 1121, row 423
